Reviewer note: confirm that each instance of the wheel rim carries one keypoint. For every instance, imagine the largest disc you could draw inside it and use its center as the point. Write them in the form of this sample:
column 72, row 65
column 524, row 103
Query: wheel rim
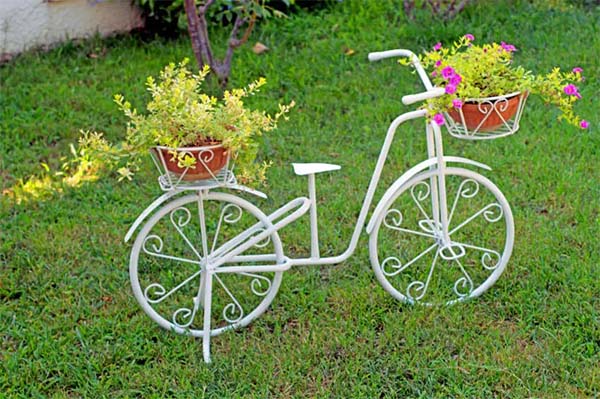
column 168, row 264
column 413, row 262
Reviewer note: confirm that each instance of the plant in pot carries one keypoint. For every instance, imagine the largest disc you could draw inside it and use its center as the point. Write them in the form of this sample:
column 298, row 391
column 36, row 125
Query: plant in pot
column 194, row 135
column 486, row 92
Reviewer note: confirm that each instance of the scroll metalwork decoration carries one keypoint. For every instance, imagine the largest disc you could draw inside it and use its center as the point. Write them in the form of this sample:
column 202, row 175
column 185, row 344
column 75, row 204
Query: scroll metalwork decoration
column 463, row 282
column 397, row 265
column 257, row 282
column 488, row 214
column 420, row 192
column 205, row 156
column 417, row 289
column 263, row 243
column 233, row 311
column 182, row 221
column 230, row 214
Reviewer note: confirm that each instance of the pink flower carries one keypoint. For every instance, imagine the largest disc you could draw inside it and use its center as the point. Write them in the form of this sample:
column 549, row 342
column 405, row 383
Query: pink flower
column 438, row 46
column 456, row 103
column 434, row 74
column 584, row 124
column 448, row 72
column 577, row 70
column 450, row 89
column 438, row 63
column 469, row 37
column 508, row 47
column 439, row 119
column 571, row 90
column 455, row 79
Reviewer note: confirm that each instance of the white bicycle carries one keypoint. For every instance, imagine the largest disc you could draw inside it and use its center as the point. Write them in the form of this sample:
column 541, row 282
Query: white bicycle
column 207, row 261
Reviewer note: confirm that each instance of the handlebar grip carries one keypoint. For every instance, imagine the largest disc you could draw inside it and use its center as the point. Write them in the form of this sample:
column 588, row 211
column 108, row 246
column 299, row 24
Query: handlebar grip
column 380, row 55
column 426, row 95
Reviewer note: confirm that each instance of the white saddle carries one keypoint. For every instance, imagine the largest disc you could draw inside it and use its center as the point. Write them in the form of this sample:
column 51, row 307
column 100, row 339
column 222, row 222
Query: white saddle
column 302, row 169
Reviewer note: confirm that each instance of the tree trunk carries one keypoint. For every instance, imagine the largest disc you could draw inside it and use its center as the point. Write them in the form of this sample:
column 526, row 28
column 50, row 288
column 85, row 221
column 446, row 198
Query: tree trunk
column 198, row 29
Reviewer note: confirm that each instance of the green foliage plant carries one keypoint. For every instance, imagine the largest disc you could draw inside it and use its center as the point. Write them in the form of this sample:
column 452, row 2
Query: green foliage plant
column 181, row 115
column 469, row 71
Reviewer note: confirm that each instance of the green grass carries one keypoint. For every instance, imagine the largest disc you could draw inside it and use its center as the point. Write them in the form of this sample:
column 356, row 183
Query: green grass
column 70, row 324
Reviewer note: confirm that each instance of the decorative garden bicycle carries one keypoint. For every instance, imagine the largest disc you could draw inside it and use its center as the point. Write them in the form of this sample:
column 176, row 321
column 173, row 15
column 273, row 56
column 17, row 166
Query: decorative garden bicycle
column 207, row 261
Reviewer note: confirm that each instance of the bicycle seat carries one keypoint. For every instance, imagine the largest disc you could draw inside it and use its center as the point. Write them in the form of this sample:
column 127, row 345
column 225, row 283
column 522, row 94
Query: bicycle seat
column 302, row 169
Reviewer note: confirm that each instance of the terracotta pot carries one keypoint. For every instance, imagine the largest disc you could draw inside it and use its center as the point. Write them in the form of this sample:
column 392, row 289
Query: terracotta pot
column 210, row 160
column 475, row 112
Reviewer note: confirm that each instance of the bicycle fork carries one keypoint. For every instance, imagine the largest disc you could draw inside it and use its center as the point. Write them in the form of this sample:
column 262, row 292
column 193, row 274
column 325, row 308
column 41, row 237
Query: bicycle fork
column 439, row 201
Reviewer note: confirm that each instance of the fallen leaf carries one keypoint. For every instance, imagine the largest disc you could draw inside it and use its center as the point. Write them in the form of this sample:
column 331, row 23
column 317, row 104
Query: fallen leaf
column 259, row 48
column 348, row 51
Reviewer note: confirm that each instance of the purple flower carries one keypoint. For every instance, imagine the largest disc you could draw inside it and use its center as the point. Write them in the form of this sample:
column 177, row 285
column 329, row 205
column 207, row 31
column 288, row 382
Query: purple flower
column 450, row 89
column 448, row 72
column 434, row 74
column 469, row 37
column 456, row 103
column 571, row 90
column 438, row 46
column 439, row 119
column 584, row 124
column 455, row 79
column 508, row 47
column 438, row 63
column 577, row 70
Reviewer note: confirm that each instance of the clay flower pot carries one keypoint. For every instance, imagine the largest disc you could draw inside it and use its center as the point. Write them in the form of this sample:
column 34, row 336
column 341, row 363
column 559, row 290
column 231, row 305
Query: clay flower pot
column 210, row 159
column 487, row 114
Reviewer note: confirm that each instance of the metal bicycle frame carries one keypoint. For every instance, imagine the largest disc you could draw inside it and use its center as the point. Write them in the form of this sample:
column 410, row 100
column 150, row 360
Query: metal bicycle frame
column 230, row 251
column 225, row 258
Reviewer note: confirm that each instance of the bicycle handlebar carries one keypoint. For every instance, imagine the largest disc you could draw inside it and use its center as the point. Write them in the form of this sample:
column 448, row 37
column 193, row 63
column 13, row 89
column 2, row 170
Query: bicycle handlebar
column 380, row 55
column 433, row 93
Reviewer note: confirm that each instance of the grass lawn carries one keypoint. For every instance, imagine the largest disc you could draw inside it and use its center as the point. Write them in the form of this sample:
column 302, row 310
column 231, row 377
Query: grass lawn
column 72, row 328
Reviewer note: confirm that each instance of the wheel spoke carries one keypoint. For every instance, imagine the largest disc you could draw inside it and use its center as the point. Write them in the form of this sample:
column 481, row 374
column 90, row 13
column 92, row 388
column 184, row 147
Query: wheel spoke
column 463, row 192
column 181, row 222
column 228, row 214
column 421, row 196
column 488, row 255
column 486, row 211
column 465, row 281
column 399, row 266
column 159, row 289
column 231, row 307
column 419, row 285
column 186, row 313
column 158, row 247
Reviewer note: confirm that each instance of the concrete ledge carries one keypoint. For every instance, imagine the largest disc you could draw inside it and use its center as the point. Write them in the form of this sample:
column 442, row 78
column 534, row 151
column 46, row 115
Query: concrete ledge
column 26, row 24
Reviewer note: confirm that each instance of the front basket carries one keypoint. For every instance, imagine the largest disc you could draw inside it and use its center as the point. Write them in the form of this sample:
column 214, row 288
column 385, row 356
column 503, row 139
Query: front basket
column 487, row 118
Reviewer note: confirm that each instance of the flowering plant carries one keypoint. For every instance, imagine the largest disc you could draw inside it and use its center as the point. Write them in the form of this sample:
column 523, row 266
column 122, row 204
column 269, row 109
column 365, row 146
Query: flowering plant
column 468, row 71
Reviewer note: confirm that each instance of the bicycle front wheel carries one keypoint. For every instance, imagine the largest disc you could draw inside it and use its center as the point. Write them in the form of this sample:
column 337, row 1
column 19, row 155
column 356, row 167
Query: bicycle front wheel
column 171, row 255
column 413, row 262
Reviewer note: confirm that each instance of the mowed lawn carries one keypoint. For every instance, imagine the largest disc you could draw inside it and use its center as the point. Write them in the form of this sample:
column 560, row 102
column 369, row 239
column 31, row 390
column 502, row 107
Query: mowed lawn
column 70, row 326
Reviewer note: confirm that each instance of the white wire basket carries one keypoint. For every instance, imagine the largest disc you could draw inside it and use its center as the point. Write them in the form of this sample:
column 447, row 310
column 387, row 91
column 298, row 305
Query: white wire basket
column 487, row 118
column 212, row 168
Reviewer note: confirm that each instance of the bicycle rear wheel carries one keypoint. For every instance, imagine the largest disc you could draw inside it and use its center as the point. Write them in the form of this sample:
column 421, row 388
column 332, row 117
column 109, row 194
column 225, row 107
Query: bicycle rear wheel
column 171, row 255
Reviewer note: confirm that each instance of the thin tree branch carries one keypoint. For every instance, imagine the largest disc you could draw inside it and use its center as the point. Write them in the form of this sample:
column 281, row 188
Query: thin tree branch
column 455, row 10
column 204, row 8
column 233, row 40
column 409, row 7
